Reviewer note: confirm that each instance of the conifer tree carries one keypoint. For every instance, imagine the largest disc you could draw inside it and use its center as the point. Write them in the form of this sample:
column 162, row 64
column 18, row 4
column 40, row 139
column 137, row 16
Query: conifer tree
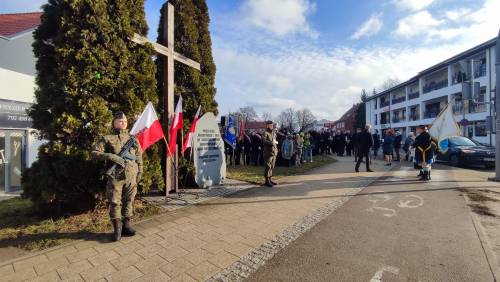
column 87, row 69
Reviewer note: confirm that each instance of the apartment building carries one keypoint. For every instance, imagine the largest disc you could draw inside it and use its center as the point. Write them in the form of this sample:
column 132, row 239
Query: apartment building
column 420, row 99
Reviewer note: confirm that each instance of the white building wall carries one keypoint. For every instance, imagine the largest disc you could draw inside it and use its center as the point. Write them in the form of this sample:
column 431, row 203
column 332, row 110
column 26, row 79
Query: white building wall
column 17, row 54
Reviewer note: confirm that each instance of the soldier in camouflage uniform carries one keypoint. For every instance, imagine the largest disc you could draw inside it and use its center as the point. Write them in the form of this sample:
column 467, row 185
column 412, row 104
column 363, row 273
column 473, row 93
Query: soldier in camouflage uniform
column 121, row 188
column 270, row 152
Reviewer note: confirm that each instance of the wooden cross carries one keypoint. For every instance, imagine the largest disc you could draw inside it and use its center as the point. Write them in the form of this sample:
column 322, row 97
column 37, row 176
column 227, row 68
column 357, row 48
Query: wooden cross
column 167, row 50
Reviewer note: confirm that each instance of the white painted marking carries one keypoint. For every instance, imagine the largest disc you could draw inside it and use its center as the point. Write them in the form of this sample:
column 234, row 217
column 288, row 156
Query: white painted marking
column 378, row 275
column 382, row 199
column 411, row 202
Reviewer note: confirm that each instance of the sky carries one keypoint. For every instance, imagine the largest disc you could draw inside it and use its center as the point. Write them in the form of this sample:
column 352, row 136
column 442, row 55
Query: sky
column 320, row 54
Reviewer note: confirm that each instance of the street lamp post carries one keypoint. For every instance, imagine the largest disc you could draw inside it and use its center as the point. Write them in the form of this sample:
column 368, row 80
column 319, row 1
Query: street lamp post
column 497, row 110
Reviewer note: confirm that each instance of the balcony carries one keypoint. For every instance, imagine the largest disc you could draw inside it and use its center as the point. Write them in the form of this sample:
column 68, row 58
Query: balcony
column 480, row 71
column 398, row 119
column 398, row 100
column 477, row 108
column 414, row 117
column 435, row 85
column 459, row 77
column 412, row 96
column 470, row 108
column 384, row 104
column 430, row 114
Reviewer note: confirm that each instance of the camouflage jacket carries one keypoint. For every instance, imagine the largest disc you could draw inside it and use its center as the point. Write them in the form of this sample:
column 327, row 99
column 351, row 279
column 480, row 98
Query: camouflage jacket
column 112, row 144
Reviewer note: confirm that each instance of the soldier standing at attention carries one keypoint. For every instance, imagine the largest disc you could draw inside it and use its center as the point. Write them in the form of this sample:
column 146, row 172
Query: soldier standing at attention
column 270, row 153
column 121, row 187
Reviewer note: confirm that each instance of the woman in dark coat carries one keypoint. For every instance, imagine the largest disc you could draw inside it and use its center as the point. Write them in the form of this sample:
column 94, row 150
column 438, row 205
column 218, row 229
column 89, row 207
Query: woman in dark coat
column 387, row 146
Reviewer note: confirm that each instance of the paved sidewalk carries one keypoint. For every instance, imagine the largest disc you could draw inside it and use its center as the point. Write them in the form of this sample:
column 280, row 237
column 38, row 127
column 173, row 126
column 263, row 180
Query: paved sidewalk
column 202, row 241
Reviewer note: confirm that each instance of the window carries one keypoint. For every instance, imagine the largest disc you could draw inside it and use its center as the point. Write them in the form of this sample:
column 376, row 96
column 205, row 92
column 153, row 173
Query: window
column 480, row 128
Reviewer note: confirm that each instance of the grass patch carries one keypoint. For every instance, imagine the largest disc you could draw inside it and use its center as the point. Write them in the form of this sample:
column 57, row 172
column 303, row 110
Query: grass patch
column 21, row 227
column 254, row 174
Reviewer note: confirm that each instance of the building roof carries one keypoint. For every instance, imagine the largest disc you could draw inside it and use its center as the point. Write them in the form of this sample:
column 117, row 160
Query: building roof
column 255, row 125
column 488, row 44
column 349, row 114
column 12, row 25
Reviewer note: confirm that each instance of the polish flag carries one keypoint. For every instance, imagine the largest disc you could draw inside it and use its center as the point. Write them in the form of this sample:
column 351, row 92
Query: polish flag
column 175, row 127
column 189, row 137
column 147, row 128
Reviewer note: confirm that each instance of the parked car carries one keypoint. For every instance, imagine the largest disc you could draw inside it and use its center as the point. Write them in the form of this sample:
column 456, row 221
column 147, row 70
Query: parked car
column 464, row 151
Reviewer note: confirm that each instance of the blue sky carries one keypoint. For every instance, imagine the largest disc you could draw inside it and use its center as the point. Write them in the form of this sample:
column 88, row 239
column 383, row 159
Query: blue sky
column 319, row 54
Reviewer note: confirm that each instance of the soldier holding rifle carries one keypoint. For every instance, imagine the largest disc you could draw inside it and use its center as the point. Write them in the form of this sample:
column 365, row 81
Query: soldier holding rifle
column 123, row 155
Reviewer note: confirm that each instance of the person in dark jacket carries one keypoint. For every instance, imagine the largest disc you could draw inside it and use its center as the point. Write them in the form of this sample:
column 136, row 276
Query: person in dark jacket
column 365, row 142
column 424, row 152
column 348, row 143
column 247, row 148
column 397, row 145
column 388, row 146
column 357, row 132
column 376, row 143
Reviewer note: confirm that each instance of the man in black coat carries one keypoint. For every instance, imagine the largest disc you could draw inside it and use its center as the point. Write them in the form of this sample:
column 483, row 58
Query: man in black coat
column 364, row 142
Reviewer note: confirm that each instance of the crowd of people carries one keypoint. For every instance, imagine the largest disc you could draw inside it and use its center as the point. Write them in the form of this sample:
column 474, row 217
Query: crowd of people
column 295, row 149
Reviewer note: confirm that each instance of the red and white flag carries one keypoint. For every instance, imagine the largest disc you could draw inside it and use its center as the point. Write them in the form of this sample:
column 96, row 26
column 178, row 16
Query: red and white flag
column 189, row 137
column 147, row 128
column 175, row 127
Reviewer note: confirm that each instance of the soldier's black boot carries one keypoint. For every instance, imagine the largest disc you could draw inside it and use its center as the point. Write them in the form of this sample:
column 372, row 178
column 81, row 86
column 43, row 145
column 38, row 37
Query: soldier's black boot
column 268, row 182
column 117, row 226
column 272, row 182
column 429, row 175
column 127, row 229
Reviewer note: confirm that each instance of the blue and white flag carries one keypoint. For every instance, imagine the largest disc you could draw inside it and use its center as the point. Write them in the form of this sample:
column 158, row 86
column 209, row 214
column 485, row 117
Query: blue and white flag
column 444, row 127
column 230, row 134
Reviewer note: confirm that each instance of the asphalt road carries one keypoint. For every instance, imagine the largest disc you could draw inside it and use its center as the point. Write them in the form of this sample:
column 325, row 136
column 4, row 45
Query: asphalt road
column 397, row 229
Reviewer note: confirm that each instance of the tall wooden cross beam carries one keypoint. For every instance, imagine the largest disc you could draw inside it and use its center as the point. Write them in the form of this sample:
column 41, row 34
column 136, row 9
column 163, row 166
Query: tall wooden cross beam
column 167, row 49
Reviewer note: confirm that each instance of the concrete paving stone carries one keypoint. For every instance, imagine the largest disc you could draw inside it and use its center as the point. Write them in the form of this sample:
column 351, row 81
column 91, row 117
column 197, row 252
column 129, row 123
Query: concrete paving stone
column 151, row 264
column 191, row 245
column 186, row 236
column 149, row 231
column 169, row 233
column 238, row 249
column 128, row 239
column 150, row 250
column 210, row 236
column 167, row 225
column 172, row 253
column 176, row 267
column 186, row 227
column 103, row 257
column 98, row 272
column 60, row 252
column 183, row 220
column 6, row 270
column 81, row 255
column 232, row 238
column 126, row 261
column 101, row 247
column 29, row 262
column 150, row 240
column 203, row 271
column 51, row 265
column 253, row 240
column 155, row 276
column 184, row 278
column 84, row 245
column 128, row 274
column 223, row 259
column 71, row 271
column 47, row 277
column 216, row 247
column 225, row 230
column 128, row 248
column 198, row 256
column 24, row 274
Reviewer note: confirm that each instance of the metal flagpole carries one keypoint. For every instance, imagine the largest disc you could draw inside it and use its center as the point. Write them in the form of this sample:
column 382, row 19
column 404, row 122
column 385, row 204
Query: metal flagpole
column 497, row 111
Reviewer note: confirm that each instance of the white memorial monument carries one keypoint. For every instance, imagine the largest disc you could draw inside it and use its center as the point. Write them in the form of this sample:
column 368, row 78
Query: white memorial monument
column 209, row 157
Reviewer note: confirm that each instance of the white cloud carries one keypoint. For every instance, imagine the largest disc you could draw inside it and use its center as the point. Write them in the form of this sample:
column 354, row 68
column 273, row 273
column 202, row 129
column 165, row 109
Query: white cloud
column 372, row 26
column 412, row 5
column 281, row 17
column 455, row 15
column 416, row 24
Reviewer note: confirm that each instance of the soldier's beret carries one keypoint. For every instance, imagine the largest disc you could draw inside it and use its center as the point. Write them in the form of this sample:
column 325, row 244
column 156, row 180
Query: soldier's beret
column 269, row 122
column 119, row 115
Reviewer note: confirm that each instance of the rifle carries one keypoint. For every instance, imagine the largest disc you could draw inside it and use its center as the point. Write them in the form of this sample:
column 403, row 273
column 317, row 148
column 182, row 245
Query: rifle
column 124, row 153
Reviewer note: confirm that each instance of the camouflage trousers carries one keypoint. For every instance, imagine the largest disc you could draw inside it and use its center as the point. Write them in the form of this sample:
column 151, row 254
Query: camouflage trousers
column 120, row 195
column 269, row 166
